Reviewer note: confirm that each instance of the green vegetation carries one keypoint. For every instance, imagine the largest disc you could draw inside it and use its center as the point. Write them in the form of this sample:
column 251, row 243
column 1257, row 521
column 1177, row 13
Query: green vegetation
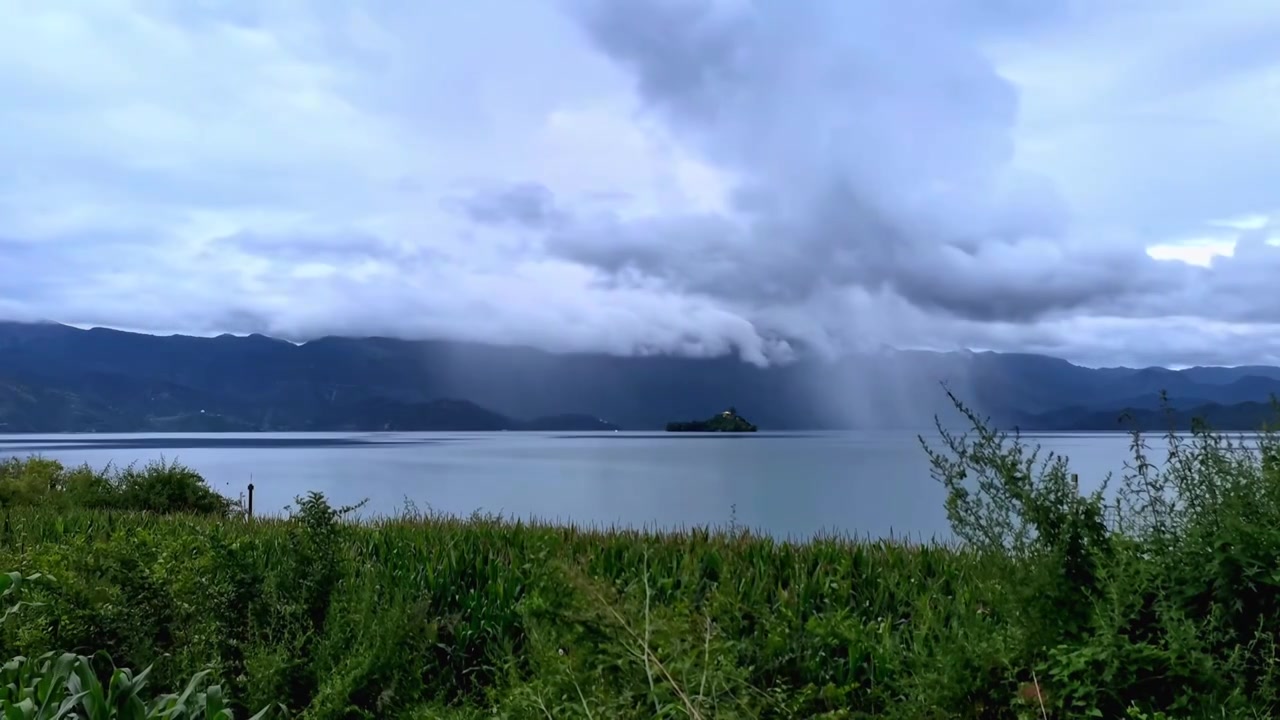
column 159, row 487
column 727, row 421
column 1157, row 599
column 65, row 685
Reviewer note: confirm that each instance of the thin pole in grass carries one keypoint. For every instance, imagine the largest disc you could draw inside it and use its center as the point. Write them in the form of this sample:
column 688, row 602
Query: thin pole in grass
column 1039, row 695
column 648, row 671
column 251, row 498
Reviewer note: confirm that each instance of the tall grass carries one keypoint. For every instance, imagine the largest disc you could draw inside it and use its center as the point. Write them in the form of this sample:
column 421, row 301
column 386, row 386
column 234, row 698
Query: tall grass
column 415, row 612
column 1158, row 595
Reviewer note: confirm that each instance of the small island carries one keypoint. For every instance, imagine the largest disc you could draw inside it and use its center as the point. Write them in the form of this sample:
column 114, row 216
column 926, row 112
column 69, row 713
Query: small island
column 727, row 421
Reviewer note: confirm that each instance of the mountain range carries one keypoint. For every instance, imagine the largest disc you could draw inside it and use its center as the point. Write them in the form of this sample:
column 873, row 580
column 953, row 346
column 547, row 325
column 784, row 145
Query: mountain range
column 57, row 378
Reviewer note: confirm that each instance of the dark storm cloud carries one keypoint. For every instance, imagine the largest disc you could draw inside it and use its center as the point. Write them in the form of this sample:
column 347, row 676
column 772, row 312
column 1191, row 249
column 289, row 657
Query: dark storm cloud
column 873, row 145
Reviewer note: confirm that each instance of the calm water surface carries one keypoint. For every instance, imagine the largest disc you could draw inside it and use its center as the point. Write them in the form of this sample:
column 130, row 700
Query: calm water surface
column 787, row 484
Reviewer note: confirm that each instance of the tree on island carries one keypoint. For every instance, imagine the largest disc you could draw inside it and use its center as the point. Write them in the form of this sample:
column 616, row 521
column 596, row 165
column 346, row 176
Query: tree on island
column 727, row 421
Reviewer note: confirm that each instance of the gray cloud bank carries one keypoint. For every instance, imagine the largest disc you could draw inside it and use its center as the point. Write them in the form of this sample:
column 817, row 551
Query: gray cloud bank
column 689, row 176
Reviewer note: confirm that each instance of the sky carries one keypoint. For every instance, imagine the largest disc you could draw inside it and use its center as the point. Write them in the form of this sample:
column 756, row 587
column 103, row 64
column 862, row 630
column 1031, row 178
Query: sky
column 1090, row 179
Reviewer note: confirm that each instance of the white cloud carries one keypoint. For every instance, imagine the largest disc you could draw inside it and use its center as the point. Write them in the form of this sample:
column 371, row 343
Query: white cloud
column 692, row 176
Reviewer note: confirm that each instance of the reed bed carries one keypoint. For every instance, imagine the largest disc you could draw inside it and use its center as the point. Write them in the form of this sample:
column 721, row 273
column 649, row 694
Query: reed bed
column 419, row 613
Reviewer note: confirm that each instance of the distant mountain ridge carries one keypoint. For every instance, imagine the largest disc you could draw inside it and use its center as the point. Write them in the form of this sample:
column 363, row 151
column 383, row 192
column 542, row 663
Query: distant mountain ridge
column 1240, row 416
column 56, row 378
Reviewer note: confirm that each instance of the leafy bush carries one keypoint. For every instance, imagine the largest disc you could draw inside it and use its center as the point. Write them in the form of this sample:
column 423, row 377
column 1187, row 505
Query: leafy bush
column 159, row 487
column 1158, row 595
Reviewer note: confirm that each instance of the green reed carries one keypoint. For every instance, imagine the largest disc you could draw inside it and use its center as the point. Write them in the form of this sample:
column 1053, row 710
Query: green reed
column 403, row 613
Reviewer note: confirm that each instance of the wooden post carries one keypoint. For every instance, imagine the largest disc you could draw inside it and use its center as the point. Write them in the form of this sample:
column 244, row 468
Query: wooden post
column 1075, row 482
column 250, row 499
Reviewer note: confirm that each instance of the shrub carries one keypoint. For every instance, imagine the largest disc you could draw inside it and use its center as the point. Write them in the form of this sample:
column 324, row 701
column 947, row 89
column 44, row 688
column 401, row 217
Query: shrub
column 158, row 487
column 164, row 487
column 1161, row 594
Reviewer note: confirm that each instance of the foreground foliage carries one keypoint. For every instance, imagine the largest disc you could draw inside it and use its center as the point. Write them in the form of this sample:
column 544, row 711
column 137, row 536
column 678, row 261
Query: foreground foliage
column 1156, row 597
column 56, row 686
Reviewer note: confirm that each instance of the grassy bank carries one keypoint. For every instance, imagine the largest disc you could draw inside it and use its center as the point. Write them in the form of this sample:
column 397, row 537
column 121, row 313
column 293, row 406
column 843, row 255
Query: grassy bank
column 1162, row 597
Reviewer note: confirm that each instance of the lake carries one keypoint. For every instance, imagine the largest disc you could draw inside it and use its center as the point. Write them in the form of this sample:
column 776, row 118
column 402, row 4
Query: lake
column 786, row 484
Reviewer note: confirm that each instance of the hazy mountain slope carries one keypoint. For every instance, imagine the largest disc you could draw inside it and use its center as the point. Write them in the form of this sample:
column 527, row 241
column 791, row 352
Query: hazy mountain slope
column 54, row 377
column 1246, row 416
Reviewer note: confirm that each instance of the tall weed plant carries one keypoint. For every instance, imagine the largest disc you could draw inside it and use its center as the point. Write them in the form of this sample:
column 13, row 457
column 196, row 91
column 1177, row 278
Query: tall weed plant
column 1158, row 591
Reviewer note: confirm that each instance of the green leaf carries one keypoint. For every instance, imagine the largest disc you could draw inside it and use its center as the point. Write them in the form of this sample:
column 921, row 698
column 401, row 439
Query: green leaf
column 214, row 703
column 191, row 689
column 53, row 685
column 86, row 682
column 68, row 706
column 21, row 711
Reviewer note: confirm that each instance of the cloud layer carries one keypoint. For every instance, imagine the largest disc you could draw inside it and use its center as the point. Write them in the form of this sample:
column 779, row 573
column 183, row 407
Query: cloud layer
column 691, row 176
